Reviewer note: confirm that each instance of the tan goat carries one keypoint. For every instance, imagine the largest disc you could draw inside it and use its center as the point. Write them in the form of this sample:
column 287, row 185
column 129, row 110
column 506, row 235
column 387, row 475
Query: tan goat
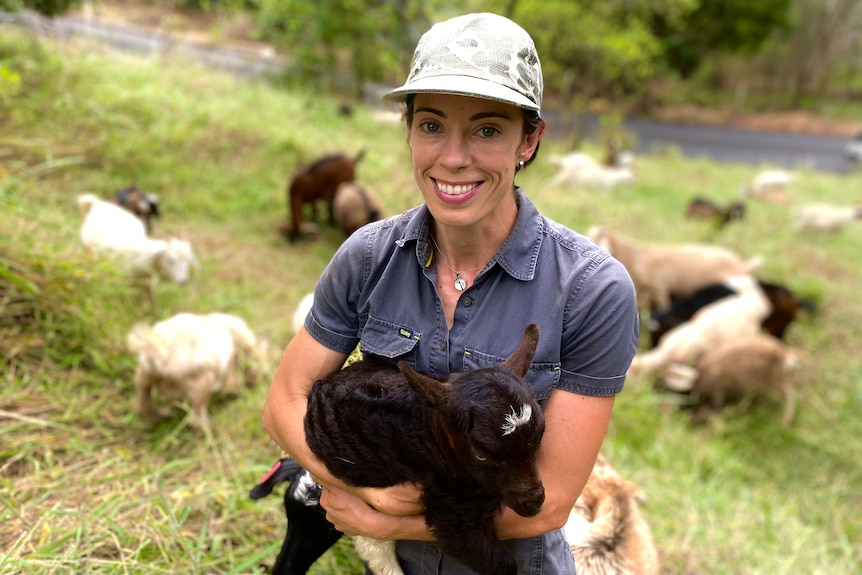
column 606, row 531
column 740, row 369
column 662, row 271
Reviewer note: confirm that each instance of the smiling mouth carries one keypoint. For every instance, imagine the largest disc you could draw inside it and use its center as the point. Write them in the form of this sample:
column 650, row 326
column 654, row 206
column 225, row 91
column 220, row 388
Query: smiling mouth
column 455, row 189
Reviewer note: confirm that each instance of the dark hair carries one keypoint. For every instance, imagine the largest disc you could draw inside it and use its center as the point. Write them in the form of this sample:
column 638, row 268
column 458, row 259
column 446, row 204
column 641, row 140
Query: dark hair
column 532, row 123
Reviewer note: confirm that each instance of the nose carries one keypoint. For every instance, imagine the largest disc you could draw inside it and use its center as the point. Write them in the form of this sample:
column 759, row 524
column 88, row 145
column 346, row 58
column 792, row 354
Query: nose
column 530, row 503
column 456, row 152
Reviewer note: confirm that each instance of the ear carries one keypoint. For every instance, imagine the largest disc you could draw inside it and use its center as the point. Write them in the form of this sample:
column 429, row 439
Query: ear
column 519, row 361
column 433, row 391
column 531, row 141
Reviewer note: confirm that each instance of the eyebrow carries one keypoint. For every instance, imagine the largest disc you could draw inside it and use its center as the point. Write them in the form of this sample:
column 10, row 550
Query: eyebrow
column 473, row 118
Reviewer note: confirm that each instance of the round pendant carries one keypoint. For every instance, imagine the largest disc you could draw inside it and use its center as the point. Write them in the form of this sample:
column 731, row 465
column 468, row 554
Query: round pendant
column 460, row 283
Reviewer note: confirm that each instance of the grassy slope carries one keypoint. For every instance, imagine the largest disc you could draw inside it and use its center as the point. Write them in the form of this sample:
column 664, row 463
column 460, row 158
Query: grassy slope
column 86, row 486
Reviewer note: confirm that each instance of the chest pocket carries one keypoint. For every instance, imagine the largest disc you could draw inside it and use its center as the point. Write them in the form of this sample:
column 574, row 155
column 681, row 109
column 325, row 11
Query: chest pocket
column 542, row 376
column 389, row 340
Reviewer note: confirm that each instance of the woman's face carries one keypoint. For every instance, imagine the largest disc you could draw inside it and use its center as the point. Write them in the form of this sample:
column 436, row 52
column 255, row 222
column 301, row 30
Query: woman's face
column 465, row 151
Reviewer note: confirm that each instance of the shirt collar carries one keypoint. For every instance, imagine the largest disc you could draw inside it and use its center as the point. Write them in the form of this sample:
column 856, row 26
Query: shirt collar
column 519, row 253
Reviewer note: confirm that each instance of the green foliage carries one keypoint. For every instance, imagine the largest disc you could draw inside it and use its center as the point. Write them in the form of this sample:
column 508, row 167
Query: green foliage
column 338, row 45
column 44, row 7
column 720, row 26
column 589, row 48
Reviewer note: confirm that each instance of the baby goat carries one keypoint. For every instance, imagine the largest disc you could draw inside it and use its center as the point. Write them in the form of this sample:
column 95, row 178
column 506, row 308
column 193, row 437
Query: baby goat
column 193, row 356
column 470, row 440
column 318, row 181
column 309, row 534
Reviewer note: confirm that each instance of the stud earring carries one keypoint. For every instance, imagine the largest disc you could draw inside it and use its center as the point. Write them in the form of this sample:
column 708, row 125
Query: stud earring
column 520, row 166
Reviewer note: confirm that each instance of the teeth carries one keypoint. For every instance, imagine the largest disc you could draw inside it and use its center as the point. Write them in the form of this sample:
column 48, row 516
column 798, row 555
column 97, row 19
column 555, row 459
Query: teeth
column 456, row 190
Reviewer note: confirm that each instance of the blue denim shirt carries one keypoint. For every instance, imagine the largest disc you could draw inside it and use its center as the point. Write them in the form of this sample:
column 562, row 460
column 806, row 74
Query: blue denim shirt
column 379, row 291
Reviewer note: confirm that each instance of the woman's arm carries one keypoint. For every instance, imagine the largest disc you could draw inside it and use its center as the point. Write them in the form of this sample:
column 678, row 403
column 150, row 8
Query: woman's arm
column 305, row 361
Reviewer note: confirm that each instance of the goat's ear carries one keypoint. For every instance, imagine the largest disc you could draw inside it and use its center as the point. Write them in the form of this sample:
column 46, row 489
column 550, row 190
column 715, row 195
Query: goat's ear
column 519, row 361
column 434, row 391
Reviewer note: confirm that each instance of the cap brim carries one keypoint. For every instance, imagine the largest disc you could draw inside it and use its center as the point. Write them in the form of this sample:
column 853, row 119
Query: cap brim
column 462, row 86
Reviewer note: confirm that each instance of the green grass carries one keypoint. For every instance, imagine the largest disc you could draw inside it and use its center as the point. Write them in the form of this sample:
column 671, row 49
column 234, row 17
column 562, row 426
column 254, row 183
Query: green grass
column 86, row 486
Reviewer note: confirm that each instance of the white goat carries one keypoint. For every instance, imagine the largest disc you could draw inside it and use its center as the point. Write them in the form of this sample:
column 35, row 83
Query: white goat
column 713, row 325
column 825, row 217
column 770, row 185
column 662, row 271
column 108, row 228
column 301, row 312
column 606, row 532
column 193, row 356
column 582, row 170
column 738, row 369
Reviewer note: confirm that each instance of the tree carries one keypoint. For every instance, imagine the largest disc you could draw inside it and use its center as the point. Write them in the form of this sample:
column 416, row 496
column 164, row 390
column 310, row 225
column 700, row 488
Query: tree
column 49, row 8
column 710, row 26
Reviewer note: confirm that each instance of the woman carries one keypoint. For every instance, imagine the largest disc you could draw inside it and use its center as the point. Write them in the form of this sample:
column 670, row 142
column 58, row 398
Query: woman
column 450, row 285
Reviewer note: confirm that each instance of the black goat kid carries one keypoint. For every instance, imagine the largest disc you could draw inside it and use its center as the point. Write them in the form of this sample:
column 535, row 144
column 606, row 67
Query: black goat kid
column 309, row 534
column 470, row 440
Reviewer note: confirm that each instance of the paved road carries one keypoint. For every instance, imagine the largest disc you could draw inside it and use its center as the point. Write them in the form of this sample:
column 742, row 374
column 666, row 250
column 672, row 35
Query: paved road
column 717, row 143
column 730, row 144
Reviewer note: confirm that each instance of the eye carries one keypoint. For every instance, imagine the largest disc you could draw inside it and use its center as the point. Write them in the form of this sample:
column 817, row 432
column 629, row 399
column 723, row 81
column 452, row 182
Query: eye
column 489, row 132
column 430, row 127
column 478, row 455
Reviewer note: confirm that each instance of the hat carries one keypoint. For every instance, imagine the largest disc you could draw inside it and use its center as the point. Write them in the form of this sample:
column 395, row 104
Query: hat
column 481, row 55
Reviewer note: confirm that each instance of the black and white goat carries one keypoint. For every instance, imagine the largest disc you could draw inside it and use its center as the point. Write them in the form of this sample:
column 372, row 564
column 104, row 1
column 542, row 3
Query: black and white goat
column 309, row 534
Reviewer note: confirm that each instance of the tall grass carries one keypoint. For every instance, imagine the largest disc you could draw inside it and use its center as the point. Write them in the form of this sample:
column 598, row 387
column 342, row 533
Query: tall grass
column 86, row 486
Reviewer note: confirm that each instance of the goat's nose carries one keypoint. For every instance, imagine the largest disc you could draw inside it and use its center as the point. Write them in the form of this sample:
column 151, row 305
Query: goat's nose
column 531, row 503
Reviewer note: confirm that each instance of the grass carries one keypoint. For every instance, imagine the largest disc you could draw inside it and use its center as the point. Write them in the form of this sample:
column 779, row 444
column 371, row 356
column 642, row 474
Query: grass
column 86, row 486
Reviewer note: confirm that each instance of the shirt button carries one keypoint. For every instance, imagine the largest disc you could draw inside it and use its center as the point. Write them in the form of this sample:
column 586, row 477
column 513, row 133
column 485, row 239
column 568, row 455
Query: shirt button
column 468, row 302
column 444, row 345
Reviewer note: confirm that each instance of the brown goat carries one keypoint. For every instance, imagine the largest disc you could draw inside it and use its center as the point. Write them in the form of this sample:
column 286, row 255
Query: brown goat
column 471, row 440
column 606, row 532
column 318, row 181
column 702, row 208
column 354, row 206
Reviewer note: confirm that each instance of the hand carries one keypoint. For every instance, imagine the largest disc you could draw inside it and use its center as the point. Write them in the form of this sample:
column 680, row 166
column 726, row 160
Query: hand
column 399, row 500
column 348, row 513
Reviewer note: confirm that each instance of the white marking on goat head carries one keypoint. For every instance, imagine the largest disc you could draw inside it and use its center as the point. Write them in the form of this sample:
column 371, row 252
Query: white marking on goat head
column 513, row 419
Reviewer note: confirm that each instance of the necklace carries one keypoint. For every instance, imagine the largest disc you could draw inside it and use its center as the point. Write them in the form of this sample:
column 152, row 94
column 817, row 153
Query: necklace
column 460, row 283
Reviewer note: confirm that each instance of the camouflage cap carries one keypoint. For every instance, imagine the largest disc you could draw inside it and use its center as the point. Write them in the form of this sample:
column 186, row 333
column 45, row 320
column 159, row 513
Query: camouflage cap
column 481, row 55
